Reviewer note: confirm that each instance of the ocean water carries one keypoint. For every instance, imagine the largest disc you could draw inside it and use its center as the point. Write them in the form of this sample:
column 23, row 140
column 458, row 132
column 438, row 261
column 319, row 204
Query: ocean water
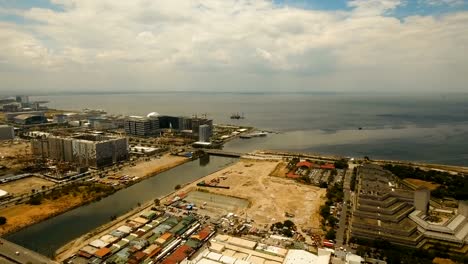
column 430, row 127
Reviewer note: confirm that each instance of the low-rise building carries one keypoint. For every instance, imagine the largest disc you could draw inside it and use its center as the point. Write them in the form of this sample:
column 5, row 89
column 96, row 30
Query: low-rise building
column 7, row 132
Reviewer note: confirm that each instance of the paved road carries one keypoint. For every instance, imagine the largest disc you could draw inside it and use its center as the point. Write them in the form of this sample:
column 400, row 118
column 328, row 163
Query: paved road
column 340, row 234
column 8, row 252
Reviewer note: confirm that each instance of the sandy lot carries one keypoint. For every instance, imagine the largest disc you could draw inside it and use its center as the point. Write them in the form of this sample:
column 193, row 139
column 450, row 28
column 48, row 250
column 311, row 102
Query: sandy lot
column 25, row 185
column 148, row 168
column 19, row 216
column 270, row 197
column 15, row 156
column 429, row 185
column 280, row 170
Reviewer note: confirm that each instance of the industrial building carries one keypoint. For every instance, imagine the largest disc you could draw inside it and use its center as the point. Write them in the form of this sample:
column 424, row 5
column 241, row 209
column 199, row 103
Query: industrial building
column 383, row 208
column 30, row 119
column 87, row 150
column 204, row 134
column 7, row 132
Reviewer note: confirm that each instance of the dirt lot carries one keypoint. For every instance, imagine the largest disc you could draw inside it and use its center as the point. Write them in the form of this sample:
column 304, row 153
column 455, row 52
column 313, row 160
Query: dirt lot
column 25, row 185
column 14, row 155
column 145, row 169
column 269, row 197
column 431, row 186
column 19, row 216
column 281, row 170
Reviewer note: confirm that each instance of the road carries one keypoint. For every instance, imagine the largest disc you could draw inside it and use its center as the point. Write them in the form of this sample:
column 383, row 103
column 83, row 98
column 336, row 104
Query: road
column 340, row 234
column 8, row 253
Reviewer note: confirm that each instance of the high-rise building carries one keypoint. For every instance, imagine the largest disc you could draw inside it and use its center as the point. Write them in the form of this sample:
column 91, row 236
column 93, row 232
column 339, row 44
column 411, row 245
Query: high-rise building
column 90, row 150
column 204, row 133
column 141, row 126
column 197, row 122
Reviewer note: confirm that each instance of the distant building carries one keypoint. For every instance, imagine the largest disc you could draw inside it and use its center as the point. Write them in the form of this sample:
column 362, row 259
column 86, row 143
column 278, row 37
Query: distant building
column 173, row 122
column 141, row 126
column 10, row 116
column 89, row 150
column 24, row 99
column 7, row 132
column 204, row 133
column 197, row 122
column 60, row 118
column 12, row 107
column 30, row 119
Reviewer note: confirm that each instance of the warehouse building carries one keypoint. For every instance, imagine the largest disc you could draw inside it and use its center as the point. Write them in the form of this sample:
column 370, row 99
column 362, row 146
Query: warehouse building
column 88, row 150
column 30, row 119
column 7, row 132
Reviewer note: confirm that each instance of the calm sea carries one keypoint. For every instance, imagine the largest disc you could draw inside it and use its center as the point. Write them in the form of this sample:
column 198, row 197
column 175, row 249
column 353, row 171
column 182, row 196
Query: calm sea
column 430, row 128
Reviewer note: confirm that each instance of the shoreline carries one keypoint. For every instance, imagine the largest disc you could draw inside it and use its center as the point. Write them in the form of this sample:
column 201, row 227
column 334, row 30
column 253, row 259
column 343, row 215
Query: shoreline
column 38, row 220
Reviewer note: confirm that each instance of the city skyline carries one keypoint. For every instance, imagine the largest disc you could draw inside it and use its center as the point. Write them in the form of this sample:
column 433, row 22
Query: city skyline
column 278, row 46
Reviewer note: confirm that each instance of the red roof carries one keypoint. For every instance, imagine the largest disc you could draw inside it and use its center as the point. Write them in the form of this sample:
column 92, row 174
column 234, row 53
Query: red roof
column 328, row 166
column 178, row 255
column 304, row 164
column 204, row 233
column 102, row 252
column 292, row 175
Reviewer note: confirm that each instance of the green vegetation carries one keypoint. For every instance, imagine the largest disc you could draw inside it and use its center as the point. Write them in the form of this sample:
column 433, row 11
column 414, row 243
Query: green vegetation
column 341, row 164
column 286, row 228
column 87, row 189
column 35, row 200
column 177, row 187
column 331, row 234
column 352, row 184
column 455, row 186
column 3, row 220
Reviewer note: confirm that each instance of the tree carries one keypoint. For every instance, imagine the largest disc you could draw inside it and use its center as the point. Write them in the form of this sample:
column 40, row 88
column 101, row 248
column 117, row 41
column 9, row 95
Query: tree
column 157, row 202
column 3, row 220
column 35, row 200
column 331, row 234
column 177, row 187
column 289, row 224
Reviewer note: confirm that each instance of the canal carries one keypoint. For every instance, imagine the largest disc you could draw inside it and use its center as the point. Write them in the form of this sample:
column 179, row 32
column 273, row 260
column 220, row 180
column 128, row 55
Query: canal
column 48, row 236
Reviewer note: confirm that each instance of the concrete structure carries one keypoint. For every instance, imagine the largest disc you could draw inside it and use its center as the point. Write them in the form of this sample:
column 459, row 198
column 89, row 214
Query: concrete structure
column 7, row 132
column 87, row 150
column 421, row 199
column 12, row 107
column 381, row 208
column 10, row 116
column 197, row 122
column 13, row 253
column 30, row 119
column 141, row 126
column 204, row 133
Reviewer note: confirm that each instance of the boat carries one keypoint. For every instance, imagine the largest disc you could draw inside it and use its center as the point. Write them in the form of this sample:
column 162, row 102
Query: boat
column 237, row 116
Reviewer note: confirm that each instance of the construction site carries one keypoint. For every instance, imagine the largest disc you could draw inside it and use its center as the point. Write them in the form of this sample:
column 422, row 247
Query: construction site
column 234, row 209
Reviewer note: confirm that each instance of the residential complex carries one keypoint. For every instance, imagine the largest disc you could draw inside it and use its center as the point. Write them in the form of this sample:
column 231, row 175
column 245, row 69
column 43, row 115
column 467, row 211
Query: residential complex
column 87, row 150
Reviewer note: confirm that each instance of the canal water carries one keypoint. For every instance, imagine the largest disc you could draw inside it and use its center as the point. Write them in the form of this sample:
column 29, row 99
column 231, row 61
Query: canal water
column 48, row 236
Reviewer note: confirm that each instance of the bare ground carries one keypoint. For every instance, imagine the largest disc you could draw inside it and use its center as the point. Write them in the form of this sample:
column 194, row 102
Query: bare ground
column 429, row 185
column 270, row 197
column 25, row 185
column 22, row 215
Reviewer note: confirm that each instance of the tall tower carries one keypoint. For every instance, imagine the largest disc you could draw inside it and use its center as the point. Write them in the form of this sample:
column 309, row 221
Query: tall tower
column 421, row 199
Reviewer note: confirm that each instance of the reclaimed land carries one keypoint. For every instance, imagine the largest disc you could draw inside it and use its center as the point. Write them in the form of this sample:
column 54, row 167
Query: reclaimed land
column 23, row 215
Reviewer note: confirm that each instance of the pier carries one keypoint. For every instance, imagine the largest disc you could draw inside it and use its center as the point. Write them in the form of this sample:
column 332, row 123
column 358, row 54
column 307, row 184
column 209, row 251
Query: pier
column 218, row 152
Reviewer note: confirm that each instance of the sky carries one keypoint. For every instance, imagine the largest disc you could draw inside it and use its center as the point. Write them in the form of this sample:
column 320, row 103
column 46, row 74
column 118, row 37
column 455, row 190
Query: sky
column 51, row 46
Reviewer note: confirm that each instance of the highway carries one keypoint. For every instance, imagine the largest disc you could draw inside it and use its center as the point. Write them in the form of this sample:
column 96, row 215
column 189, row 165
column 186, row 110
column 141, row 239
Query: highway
column 15, row 254
column 340, row 234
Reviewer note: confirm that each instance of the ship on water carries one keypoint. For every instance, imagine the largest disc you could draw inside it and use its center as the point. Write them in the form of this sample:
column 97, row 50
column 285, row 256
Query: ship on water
column 237, row 116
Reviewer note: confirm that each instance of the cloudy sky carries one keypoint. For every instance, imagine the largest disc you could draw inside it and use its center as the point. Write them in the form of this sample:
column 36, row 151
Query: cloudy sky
column 233, row 45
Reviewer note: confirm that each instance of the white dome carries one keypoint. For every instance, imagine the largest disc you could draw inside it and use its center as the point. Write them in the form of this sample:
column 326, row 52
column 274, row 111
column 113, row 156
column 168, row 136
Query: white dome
column 153, row 114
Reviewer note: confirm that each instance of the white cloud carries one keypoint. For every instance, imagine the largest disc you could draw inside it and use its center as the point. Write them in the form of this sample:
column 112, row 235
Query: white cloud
column 215, row 44
column 443, row 2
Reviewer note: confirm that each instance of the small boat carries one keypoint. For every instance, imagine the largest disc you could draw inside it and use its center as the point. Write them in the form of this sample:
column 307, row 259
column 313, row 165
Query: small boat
column 237, row 116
